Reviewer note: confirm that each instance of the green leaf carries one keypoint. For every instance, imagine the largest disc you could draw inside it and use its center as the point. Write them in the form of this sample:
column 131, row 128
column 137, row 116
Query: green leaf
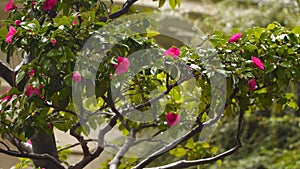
column 3, row 33
column 62, row 21
column 34, row 25
column 92, row 15
column 12, row 91
column 161, row 3
column 250, row 48
column 172, row 3
column 178, row 2
column 178, row 151
column 293, row 105
column 93, row 124
column 87, row 74
column 296, row 30
column 271, row 26
column 20, row 76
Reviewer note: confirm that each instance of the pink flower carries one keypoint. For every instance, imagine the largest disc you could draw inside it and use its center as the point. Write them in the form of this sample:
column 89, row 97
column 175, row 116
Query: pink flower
column 49, row 5
column 12, row 31
column 252, row 84
column 49, row 125
column 123, row 65
column 76, row 77
column 30, row 90
column 29, row 142
column 32, row 72
column 258, row 63
column 235, row 37
column 174, row 52
column 53, row 41
column 8, row 97
column 9, row 39
column 172, row 118
column 32, row 4
column 10, row 6
column 74, row 22
column 17, row 22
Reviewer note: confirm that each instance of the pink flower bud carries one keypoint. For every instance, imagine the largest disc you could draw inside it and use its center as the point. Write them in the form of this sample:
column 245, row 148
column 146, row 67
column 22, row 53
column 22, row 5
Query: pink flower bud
column 258, row 63
column 235, row 37
column 123, row 65
column 32, row 4
column 76, row 77
column 12, row 31
column 49, row 5
column 53, row 41
column 17, row 22
column 32, row 72
column 8, row 97
column 174, row 52
column 172, row 118
column 252, row 84
column 30, row 90
column 74, row 22
column 10, row 6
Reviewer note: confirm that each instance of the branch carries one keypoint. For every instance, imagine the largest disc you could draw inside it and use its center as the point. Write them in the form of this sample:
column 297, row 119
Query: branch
column 170, row 146
column 7, row 74
column 5, row 145
column 186, row 163
column 148, row 103
column 35, row 156
column 80, row 139
column 120, row 12
column 87, row 159
column 74, row 145
column 64, row 110
column 114, row 163
column 21, row 146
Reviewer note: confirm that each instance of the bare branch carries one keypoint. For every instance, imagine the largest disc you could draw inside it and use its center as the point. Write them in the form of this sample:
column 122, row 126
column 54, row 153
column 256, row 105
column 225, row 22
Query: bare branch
column 64, row 110
column 168, row 147
column 144, row 126
column 35, row 156
column 186, row 163
column 114, row 163
column 74, row 145
column 7, row 74
column 86, row 160
column 21, row 146
column 80, row 139
column 5, row 145
column 120, row 12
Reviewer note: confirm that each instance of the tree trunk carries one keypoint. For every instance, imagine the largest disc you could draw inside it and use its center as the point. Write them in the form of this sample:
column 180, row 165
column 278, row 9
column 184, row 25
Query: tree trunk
column 43, row 142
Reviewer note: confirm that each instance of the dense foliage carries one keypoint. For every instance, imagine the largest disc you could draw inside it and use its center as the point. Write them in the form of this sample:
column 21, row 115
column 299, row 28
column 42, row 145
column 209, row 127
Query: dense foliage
column 125, row 80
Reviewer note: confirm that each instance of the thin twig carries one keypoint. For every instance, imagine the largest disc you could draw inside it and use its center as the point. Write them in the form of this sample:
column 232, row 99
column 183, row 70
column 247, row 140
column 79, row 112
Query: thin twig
column 35, row 156
column 74, row 145
column 126, row 6
column 151, row 101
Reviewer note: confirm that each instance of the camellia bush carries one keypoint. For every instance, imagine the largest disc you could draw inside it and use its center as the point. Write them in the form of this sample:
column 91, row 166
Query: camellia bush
column 94, row 70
